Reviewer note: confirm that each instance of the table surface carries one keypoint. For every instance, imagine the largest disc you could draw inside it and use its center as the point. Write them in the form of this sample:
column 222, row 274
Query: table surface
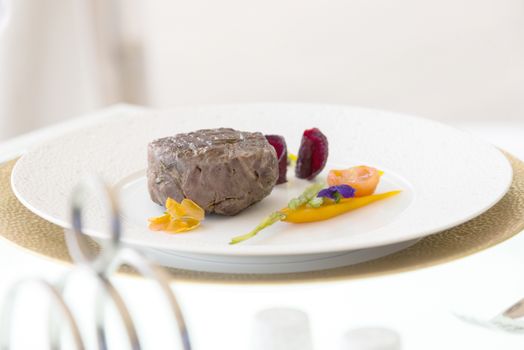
column 420, row 305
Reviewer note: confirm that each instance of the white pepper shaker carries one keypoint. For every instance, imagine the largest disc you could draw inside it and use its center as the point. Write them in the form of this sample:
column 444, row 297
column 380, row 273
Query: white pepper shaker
column 371, row 338
column 281, row 329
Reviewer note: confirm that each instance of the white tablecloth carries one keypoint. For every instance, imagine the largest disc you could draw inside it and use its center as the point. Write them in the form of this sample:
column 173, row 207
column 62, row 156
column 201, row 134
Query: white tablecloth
column 418, row 304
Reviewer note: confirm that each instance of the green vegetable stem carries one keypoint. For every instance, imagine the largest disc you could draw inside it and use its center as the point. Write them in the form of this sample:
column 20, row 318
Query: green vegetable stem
column 309, row 197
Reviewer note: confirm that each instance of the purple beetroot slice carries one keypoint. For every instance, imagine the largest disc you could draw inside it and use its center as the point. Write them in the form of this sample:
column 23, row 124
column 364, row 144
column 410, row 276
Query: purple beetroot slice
column 313, row 154
column 279, row 143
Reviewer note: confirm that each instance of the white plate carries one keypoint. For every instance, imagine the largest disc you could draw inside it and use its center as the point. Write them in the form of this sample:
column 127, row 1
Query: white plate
column 447, row 177
column 271, row 264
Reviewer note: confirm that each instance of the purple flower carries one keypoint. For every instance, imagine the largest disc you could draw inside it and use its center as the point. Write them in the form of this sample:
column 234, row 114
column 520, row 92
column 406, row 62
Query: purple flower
column 337, row 192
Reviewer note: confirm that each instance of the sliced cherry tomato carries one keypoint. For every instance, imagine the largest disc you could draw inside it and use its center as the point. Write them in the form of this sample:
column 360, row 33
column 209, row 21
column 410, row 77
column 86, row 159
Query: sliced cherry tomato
column 362, row 178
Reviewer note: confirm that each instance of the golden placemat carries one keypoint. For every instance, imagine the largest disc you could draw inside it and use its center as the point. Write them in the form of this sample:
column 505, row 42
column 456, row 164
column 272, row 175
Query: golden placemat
column 27, row 230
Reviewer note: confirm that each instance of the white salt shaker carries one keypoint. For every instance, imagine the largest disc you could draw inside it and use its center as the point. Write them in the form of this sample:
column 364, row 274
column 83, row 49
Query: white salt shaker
column 281, row 329
column 371, row 339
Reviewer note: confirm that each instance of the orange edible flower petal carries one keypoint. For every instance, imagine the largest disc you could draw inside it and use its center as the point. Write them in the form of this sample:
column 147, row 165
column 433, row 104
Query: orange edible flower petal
column 182, row 225
column 174, row 208
column 179, row 217
column 159, row 223
column 193, row 210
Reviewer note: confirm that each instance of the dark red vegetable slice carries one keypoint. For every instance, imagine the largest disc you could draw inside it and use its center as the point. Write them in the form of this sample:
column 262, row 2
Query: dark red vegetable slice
column 279, row 143
column 313, row 154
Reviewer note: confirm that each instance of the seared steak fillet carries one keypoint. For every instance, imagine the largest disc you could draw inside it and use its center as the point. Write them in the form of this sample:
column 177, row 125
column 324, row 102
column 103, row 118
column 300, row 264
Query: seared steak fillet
column 222, row 170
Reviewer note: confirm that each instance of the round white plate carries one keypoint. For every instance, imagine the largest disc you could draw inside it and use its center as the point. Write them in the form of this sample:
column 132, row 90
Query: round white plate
column 447, row 177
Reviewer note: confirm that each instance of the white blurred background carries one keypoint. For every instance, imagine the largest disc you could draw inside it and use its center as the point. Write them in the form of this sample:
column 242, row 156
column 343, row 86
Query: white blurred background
column 448, row 60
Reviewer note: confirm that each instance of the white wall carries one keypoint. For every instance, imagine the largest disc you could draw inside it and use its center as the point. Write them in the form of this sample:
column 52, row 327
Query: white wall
column 444, row 59
column 49, row 69
column 2, row 13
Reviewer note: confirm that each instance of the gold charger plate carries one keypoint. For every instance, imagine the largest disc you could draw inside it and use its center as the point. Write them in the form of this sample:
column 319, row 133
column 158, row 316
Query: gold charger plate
column 504, row 220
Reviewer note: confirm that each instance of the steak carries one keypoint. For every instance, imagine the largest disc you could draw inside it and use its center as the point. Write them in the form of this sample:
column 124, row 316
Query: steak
column 222, row 170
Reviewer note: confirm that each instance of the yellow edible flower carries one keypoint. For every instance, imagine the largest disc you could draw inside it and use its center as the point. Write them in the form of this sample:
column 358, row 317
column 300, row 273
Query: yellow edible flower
column 179, row 217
